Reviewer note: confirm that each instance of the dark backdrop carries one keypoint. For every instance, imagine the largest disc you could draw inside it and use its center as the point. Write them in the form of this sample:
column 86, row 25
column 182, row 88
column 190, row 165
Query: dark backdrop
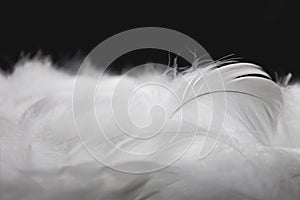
column 263, row 32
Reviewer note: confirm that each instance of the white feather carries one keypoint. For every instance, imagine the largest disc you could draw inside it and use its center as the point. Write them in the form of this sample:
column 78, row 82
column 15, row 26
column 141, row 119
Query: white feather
column 256, row 156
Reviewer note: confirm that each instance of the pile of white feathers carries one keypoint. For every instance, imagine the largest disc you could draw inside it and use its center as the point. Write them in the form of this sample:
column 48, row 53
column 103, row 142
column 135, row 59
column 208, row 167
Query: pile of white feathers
column 256, row 153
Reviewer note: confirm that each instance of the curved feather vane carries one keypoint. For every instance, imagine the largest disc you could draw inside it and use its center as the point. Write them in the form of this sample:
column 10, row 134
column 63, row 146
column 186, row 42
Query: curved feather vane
column 254, row 99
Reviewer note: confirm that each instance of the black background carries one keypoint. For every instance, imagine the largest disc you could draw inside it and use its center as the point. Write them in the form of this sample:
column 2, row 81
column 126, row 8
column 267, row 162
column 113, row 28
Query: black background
column 262, row 32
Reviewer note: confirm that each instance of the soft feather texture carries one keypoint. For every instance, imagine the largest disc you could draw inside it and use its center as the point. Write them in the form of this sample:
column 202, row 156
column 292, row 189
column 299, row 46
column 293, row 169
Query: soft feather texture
column 256, row 156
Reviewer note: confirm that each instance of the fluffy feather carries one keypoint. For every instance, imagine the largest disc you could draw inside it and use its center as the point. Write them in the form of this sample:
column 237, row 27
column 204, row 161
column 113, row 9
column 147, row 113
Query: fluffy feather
column 256, row 155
